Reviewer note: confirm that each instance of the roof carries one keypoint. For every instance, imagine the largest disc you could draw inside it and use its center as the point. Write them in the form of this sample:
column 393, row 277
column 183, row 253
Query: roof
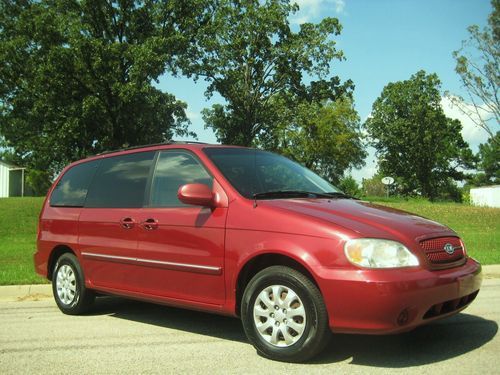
column 8, row 165
column 486, row 187
column 153, row 145
column 158, row 146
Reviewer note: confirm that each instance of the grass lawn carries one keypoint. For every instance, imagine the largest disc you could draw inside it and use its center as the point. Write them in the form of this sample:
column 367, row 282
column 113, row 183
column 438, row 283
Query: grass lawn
column 18, row 223
column 479, row 227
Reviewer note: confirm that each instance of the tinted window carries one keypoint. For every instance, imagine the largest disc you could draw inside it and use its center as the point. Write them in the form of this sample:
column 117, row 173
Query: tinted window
column 253, row 171
column 71, row 190
column 174, row 169
column 120, row 181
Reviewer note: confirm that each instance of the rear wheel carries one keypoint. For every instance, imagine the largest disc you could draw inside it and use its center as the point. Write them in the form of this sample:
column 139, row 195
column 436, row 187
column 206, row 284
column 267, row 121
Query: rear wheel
column 68, row 286
column 284, row 315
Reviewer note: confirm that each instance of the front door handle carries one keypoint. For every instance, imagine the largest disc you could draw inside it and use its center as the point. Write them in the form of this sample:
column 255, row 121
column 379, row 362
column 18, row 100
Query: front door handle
column 150, row 224
column 127, row 223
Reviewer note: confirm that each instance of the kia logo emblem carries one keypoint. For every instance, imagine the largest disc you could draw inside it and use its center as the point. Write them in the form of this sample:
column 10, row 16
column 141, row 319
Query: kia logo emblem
column 449, row 248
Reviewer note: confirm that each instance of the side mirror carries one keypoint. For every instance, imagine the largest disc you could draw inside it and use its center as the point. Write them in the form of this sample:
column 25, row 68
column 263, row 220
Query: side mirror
column 196, row 194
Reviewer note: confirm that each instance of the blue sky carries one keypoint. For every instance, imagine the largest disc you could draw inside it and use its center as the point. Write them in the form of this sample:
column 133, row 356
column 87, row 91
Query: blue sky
column 383, row 41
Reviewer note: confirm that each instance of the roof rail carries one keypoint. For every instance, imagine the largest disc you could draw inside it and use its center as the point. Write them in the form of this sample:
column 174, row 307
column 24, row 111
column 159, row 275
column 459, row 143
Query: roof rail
column 152, row 145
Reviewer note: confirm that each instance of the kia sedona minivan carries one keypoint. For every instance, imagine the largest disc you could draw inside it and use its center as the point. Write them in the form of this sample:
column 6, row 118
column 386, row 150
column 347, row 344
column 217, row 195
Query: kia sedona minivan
column 247, row 233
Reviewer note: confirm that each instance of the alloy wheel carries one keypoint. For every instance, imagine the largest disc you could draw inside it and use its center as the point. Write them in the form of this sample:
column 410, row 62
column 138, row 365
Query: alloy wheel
column 279, row 315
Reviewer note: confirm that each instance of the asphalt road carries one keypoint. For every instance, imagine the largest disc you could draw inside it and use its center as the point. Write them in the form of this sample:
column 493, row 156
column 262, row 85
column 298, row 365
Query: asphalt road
column 121, row 336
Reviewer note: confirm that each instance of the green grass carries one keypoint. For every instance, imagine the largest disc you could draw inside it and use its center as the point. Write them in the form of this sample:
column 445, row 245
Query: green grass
column 479, row 227
column 18, row 223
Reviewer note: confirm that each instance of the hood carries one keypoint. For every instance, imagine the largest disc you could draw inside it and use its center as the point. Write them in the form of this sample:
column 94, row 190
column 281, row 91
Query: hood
column 367, row 219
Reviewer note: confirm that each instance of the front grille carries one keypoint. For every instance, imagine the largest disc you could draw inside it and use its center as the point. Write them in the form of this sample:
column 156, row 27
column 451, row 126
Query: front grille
column 434, row 249
column 450, row 306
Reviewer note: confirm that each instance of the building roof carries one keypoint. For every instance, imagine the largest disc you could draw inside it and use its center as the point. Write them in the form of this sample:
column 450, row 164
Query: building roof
column 486, row 187
column 7, row 164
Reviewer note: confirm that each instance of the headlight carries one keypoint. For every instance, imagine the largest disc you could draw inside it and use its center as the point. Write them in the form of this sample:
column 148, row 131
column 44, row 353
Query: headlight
column 378, row 253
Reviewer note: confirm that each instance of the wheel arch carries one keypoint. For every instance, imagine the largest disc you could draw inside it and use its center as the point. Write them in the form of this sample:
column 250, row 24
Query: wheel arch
column 55, row 254
column 262, row 261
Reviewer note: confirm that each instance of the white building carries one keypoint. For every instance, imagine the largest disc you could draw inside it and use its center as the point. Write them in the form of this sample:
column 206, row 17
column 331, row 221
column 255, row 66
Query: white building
column 488, row 196
column 11, row 180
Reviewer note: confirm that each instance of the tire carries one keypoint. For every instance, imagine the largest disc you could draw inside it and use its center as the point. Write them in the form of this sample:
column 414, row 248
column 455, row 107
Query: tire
column 68, row 286
column 296, row 331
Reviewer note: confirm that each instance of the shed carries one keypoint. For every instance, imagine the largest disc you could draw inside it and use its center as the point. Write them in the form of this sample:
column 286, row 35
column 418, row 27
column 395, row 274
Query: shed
column 11, row 180
column 488, row 196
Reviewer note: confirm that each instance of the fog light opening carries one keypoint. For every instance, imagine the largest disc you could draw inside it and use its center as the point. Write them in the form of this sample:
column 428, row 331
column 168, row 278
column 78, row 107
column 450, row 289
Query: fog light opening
column 403, row 317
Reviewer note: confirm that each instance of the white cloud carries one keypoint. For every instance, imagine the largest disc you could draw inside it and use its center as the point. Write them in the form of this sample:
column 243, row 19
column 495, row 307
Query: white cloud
column 193, row 115
column 471, row 133
column 339, row 6
column 311, row 9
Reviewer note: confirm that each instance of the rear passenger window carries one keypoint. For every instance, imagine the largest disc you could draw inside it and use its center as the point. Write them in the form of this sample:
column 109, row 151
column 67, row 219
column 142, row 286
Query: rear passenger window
column 120, row 181
column 174, row 169
column 71, row 190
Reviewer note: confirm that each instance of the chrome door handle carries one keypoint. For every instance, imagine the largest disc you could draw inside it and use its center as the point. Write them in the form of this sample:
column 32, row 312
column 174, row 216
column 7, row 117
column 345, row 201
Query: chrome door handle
column 127, row 223
column 150, row 224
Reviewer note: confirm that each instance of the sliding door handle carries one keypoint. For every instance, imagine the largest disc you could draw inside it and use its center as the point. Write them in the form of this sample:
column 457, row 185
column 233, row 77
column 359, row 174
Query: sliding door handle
column 127, row 223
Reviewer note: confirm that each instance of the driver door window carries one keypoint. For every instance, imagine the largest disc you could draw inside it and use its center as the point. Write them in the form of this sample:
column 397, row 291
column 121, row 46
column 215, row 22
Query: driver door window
column 174, row 169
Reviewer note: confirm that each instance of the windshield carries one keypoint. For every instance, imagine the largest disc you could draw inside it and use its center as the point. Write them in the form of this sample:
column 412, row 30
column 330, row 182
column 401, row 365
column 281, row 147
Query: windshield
column 254, row 172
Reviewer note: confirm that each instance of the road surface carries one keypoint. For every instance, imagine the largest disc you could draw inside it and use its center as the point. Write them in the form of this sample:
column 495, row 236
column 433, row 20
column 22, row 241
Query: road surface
column 121, row 336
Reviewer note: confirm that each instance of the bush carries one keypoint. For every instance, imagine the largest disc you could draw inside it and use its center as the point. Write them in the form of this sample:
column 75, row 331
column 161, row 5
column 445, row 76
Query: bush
column 349, row 186
column 466, row 195
column 38, row 182
column 449, row 191
column 374, row 187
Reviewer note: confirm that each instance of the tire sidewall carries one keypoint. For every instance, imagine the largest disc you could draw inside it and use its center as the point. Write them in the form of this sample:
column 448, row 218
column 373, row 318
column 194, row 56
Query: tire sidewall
column 71, row 261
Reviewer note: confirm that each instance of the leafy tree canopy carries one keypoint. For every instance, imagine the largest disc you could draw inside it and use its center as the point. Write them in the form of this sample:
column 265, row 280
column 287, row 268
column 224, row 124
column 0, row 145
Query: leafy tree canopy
column 489, row 154
column 76, row 76
column 478, row 65
column 350, row 186
column 489, row 163
column 325, row 137
column 373, row 186
column 414, row 140
column 249, row 55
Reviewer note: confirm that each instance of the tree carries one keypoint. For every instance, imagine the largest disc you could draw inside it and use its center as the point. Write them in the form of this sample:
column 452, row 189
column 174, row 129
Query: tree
column 325, row 137
column 489, row 163
column 489, row 155
column 250, row 56
column 413, row 138
column 76, row 76
column 478, row 65
column 373, row 186
column 349, row 186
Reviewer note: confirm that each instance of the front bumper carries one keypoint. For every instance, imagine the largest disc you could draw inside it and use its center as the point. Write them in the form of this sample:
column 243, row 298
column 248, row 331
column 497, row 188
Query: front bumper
column 397, row 300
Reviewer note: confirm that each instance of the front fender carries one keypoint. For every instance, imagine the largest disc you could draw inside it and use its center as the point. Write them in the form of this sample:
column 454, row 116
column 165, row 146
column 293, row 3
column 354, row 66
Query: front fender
column 242, row 246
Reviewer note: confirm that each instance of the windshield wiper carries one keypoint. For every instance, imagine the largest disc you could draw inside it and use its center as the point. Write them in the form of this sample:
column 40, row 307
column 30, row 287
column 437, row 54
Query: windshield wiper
column 295, row 193
column 339, row 194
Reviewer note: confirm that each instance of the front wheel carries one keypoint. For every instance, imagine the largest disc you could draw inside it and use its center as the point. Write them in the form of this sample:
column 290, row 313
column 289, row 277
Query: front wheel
column 284, row 315
column 68, row 286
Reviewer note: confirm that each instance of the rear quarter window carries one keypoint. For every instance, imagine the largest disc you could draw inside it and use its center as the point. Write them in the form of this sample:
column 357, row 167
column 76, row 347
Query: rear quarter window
column 72, row 188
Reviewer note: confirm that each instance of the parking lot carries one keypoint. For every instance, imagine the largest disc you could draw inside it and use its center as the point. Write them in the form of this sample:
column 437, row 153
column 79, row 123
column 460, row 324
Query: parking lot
column 122, row 336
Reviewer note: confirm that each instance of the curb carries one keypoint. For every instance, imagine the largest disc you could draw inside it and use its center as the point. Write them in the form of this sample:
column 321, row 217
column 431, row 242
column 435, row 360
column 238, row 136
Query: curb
column 491, row 271
column 25, row 292
column 38, row 292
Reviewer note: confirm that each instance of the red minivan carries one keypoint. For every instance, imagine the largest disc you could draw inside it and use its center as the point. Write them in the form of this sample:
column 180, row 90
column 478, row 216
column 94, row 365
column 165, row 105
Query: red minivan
column 247, row 233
